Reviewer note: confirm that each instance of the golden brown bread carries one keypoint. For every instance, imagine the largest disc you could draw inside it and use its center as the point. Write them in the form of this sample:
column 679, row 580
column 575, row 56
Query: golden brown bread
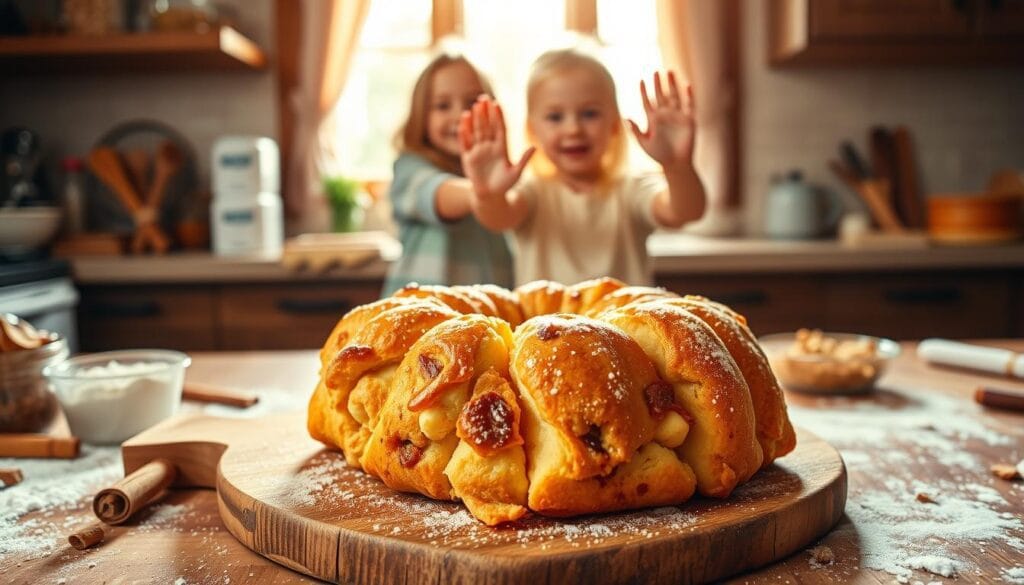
column 448, row 392
column 774, row 432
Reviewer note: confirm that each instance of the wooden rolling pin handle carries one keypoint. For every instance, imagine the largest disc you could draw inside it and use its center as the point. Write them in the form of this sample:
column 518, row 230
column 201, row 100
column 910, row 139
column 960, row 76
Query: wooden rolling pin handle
column 41, row 446
column 219, row 395
column 119, row 502
column 998, row 398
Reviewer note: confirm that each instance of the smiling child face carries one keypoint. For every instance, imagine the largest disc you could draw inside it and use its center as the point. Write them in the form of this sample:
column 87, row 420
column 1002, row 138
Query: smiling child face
column 572, row 119
column 453, row 90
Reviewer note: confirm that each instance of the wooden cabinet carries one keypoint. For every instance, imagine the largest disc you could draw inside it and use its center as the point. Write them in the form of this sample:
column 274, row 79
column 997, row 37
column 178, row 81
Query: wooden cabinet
column 771, row 304
column 118, row 317
column 895, row 32
column 286, row 316
column 921, row 305
column 216, row 317
column 913, row 305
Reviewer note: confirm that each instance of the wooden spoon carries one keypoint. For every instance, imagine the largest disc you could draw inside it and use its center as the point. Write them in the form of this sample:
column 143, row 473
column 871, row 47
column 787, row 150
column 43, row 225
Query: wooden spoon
column 137, row 161
column 168, row 162
column 106, row 163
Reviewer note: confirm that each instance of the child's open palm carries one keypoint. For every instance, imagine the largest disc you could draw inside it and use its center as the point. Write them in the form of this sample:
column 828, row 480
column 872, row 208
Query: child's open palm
column 671, row 128
column 485, row 152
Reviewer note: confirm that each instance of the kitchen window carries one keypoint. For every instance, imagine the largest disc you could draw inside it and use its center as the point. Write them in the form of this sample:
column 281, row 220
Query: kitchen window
column 399, row 37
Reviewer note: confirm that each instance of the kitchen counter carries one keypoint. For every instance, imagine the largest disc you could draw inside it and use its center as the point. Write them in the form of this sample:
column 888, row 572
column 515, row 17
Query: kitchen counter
column 673, row 254
column 918, row 437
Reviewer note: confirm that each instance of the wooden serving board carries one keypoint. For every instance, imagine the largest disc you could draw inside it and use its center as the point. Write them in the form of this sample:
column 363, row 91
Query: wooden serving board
column 286, row 497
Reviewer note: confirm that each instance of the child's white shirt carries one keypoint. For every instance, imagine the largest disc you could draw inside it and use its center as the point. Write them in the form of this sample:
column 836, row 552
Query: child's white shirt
column 570, row 237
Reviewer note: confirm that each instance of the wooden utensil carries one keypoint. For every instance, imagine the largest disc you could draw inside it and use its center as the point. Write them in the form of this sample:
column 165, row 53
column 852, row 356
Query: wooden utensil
column 285, row 496
column 106, row 164
column 169, row 159
column 883, row 163
column 219, row 395
column 874, row 193
column 137, row 162
column 908, row 196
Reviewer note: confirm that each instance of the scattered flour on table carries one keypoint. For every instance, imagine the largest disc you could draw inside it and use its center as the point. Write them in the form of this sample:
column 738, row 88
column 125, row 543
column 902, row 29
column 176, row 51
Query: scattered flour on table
column 51, row 486
column 1014, row 575
column 896, row 533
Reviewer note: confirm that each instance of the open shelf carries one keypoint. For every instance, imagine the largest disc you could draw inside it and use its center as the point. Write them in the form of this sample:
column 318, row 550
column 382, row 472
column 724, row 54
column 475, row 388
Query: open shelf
column 219, row 49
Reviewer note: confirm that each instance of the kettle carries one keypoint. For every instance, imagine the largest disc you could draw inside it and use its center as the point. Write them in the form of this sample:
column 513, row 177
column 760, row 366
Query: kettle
column 795, row 209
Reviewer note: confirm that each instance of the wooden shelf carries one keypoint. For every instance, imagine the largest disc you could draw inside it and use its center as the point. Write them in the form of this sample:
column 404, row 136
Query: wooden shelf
column 220, row 49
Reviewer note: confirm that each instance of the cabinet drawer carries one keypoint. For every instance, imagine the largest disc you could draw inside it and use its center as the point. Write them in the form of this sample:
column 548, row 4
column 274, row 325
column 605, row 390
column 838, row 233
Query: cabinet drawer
column 918, row 306
column 122, row 318
column 290, row 316
column 771, row 304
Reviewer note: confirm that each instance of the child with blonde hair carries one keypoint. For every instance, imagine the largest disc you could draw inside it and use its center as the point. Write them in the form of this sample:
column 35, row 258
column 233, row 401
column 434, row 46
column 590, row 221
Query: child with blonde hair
column 578, row 216
column 442, row 241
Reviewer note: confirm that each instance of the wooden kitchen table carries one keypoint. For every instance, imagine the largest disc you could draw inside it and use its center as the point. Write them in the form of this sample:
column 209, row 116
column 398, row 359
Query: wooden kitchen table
column 923, row 504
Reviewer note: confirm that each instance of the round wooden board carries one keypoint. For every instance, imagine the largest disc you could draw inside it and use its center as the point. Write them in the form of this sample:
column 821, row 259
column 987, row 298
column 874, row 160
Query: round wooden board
column 286, row 497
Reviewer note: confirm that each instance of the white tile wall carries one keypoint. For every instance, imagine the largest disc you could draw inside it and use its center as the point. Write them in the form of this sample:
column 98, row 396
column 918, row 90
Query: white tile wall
column 966, row 122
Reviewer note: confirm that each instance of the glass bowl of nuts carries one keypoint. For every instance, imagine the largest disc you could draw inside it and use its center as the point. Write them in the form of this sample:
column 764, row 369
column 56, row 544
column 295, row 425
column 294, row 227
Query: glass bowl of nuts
column 816, row 362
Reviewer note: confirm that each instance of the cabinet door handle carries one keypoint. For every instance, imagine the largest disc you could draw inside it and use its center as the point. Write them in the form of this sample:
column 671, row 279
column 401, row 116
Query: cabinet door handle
column 742, row 297
column 125, row 309
column 314, row 306
column 923, row 296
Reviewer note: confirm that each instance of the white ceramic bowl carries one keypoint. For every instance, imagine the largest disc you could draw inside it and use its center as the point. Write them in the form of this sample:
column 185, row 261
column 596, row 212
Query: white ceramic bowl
column 23, row 229
column 111, row 396
column 853, row 373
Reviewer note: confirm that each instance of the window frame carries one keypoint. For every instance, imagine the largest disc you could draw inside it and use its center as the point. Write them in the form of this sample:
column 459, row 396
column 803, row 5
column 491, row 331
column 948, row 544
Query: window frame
column 580, row 16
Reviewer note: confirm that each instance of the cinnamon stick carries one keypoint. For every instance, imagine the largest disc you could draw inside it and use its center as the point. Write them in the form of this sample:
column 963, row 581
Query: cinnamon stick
column 999, row 398
column 10, row 476
column 219, row 395
column 119, row 502
column 35, row 445
column 89, row 536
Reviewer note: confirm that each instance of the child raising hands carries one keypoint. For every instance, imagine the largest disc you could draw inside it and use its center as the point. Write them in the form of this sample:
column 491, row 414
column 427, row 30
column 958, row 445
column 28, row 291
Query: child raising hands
column 442, row 243
column 578, row 216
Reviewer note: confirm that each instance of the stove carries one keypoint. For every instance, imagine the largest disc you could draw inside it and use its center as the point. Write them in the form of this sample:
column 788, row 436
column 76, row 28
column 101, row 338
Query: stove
column 41, row 292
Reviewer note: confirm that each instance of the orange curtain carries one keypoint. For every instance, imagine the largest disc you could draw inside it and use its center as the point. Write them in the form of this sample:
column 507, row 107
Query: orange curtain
column 329, row 36
column 694, row 39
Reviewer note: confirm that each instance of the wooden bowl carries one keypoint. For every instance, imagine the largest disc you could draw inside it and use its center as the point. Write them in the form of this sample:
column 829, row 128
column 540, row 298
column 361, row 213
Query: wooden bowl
column 978, row 218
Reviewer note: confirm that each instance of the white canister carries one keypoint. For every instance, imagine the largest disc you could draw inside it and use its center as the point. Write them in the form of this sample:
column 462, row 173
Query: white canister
column 245, row 165
column 247, row 225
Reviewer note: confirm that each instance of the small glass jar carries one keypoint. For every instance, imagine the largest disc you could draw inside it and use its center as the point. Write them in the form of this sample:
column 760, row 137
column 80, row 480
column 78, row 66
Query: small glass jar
column 26, row 402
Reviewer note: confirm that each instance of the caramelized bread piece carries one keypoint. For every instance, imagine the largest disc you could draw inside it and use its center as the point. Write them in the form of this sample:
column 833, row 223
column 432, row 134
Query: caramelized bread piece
column 774, row 431
column 721, row 445
column 540, row 297
column 584, row 387
column 415, row 435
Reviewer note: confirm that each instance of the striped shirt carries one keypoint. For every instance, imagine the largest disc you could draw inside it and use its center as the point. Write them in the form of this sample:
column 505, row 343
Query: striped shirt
column 435, row 251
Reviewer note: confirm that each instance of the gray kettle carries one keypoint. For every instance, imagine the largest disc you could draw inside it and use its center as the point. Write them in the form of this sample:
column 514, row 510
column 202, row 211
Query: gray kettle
column 796, row 210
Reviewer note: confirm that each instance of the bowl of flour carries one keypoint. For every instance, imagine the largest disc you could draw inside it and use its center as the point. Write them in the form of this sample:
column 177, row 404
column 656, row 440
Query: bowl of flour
column 111, row 396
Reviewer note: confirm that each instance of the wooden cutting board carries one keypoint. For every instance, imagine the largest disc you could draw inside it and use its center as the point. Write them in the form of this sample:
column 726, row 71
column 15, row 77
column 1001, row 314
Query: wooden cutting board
column 286, row 497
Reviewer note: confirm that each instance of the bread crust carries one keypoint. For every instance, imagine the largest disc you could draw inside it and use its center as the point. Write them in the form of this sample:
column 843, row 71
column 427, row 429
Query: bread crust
column 558, row 400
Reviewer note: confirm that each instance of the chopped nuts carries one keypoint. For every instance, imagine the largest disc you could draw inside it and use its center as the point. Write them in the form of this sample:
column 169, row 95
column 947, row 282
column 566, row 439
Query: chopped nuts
column 925, row 499
column 1005, row 471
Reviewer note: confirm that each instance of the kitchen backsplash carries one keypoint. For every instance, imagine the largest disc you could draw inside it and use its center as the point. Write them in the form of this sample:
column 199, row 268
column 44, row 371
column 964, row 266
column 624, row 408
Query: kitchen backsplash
column 966, row 121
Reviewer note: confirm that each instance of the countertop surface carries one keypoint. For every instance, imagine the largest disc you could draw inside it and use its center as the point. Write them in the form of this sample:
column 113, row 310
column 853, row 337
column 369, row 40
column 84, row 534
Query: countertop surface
column 671, row 254
column 918, row 435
